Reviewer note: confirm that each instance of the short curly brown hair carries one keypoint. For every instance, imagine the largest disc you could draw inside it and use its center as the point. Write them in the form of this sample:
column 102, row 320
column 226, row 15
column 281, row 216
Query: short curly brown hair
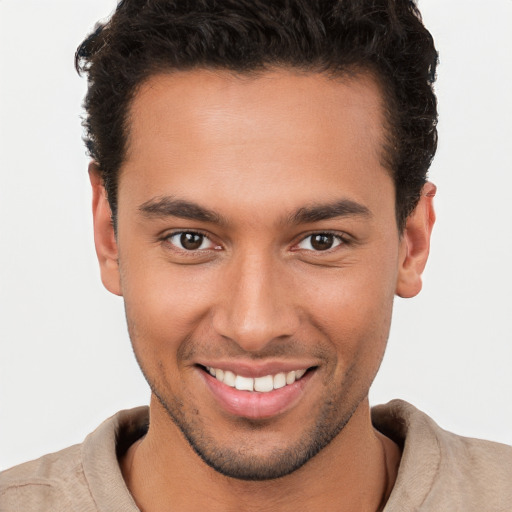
column 384, row 37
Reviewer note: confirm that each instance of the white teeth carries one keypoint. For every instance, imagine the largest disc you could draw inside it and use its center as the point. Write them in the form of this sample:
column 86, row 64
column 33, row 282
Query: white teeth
column 264, row 384
column 279, row 380
column 298, row 373
column 261, row 384
column 229, row 378
column 244, row 383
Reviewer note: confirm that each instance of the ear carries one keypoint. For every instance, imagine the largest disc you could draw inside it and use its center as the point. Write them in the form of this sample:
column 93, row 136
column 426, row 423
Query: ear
column 104, row 236
column 415, row 244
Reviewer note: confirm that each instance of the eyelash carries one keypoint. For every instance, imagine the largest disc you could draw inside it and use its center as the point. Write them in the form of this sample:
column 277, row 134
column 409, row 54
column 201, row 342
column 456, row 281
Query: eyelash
column 167, row 239
column 342, row 239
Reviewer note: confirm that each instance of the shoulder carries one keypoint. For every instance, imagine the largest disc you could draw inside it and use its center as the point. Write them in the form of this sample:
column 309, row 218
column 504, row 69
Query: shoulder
column 440, row 470
column 49, row 483
column 479, row 470
column 83, row 477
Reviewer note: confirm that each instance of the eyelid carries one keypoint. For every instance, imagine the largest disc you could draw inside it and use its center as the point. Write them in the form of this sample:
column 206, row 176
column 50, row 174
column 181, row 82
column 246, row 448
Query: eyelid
column 344, row 239
column 168, row 235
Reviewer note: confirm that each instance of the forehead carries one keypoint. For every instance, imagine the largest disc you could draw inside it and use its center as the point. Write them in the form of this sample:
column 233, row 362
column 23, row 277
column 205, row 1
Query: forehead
column 282, row 102
column 269, row 132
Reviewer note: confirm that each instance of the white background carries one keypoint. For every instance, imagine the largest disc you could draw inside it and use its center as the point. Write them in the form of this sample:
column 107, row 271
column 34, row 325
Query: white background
column 65, row 358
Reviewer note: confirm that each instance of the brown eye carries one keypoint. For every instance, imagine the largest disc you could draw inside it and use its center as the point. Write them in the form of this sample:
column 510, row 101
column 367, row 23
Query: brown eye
column 320, row 242
column 190, row 241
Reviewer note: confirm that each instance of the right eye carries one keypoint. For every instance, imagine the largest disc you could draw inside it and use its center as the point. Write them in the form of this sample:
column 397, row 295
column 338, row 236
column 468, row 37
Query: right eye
column 190, row 241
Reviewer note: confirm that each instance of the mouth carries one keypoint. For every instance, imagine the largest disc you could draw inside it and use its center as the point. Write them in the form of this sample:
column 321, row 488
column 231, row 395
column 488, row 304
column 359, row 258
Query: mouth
column 264, row 384
column 260, row 397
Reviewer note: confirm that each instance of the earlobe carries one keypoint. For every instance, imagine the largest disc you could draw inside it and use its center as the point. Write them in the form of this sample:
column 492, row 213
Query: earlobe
column 415, row 244
column 104, row 236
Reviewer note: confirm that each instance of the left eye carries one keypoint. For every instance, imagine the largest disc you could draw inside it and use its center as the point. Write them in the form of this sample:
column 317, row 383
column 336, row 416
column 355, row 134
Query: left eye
column 190, row 241
column 320, row 242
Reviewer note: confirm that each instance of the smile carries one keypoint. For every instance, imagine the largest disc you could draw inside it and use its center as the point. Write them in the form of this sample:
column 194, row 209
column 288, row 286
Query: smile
column 264, row 384
column 261, row 396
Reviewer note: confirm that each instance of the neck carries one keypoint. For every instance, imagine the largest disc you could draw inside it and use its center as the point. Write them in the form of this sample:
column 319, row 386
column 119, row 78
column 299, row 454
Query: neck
column 356, row 471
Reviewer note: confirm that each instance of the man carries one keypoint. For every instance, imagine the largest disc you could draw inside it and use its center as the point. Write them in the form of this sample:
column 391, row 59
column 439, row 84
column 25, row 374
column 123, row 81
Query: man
column 259, row 197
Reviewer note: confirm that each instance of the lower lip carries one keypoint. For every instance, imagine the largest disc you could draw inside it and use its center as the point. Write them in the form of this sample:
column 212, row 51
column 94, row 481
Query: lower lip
column 255, row 405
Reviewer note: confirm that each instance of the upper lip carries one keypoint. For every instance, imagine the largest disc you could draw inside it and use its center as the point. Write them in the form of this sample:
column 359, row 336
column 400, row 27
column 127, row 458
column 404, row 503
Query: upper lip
column 256, row 369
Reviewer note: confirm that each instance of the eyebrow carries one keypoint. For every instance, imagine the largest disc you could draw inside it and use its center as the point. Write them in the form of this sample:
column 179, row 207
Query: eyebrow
column 168, row 206
column 341, row 208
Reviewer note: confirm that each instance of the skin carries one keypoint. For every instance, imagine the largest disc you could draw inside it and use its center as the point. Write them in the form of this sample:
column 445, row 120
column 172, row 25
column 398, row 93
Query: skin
column 255, row 152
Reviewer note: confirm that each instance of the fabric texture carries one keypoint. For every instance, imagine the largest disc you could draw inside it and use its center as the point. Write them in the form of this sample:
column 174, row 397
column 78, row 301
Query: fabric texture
column 439, row 471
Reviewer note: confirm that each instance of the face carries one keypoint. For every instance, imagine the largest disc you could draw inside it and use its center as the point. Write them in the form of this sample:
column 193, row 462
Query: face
column 258, row 259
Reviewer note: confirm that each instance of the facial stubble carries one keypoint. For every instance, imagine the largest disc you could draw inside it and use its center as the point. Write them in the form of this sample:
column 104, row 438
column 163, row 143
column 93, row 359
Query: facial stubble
column 240, row 462
column 243, row 462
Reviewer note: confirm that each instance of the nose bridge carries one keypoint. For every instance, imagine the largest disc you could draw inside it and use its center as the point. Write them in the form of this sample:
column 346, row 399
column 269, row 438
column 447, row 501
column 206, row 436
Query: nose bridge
column 255, row 306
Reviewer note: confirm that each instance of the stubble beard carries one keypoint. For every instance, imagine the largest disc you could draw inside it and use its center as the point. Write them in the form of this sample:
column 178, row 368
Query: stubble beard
column 242, row 462
column 245, row 462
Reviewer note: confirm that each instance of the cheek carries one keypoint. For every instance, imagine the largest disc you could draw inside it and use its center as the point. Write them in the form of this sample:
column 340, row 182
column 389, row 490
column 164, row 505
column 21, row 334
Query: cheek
column 354, row 307
column 357, row 321
column 163, row 308
column 358, row 331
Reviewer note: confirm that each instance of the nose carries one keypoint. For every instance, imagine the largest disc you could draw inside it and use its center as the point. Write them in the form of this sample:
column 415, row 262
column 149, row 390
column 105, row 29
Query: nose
column 255, row 303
